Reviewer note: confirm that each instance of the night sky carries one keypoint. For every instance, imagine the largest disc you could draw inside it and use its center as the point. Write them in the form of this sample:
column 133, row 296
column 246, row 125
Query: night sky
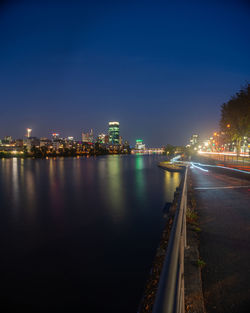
column 160, row 68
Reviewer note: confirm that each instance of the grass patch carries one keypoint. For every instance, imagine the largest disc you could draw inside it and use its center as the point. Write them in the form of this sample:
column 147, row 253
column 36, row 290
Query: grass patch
column 191, row 216
column 197, row 229
column 193, row 201
column 201, row 263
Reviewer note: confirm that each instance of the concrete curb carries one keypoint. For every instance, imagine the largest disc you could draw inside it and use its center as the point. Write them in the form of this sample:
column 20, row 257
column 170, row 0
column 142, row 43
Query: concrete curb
column 194, row 301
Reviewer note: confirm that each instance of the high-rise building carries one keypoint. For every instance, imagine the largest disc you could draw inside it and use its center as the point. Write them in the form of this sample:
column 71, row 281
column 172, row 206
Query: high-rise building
column 120, row 140
column 88, row 137
column 29, row 130
column 101, row 138
column 139, row 145
column 106, row 139
column 55, row 136
column 114, row 133
column 194, row 140
column 7, row 139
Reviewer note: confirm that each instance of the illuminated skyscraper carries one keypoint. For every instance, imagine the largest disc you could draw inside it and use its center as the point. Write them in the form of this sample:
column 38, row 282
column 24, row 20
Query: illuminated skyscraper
column 101, row 138
column 114, row 133
column 194, row 140
column 88, row 137
column 29, row 130
column 139, row 144
column 55, row 136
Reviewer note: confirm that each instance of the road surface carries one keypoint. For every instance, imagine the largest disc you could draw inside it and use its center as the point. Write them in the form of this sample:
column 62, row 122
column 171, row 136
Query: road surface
column 224, row 211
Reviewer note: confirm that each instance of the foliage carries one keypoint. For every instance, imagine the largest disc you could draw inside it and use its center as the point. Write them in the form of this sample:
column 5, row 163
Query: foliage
column 36, row 152
column 201, row 263
column 197, row 229
column 191, row 216
column 235, row 116
column 170, row 150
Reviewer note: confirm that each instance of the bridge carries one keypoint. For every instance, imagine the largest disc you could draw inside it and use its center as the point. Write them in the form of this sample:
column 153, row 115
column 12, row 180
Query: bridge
column 148, row 151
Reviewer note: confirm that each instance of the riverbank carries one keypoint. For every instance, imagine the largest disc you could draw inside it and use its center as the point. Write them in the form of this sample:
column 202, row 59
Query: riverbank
column 194, row 302
column 53, row 155
column 148, row 299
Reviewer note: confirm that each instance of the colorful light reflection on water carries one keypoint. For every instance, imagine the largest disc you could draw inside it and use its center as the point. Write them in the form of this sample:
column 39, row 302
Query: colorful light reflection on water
column 79, row 235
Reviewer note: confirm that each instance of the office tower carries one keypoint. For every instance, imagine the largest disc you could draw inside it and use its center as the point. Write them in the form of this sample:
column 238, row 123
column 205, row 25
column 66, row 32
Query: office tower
column 114, row 133
column 120, row 140
column 91, row 136
column 88, row 137
column 139, row 145
column 29, row 130
column 194, row 140
column 55, row 136
column 7, row 139
column 101, row 138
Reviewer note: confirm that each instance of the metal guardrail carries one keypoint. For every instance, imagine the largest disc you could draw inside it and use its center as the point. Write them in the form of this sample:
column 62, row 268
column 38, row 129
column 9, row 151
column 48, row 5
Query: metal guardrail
column 170, row 294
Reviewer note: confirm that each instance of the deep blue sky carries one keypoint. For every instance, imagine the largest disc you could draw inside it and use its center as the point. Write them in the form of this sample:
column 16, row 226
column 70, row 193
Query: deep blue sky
column 161, row 68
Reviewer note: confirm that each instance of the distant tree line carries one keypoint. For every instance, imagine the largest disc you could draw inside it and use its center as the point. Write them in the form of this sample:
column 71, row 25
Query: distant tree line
column 43, row 152
column 170, row 150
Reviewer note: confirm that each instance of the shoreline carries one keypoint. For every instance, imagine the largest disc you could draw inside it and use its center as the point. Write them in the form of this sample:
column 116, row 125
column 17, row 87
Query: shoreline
column 87, row 155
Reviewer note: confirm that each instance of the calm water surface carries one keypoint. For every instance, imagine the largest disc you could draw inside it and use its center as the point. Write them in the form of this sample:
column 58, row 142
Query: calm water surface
column 79, row 235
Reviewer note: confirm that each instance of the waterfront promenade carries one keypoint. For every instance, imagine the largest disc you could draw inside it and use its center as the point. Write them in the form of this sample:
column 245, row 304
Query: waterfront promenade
column 223, row 204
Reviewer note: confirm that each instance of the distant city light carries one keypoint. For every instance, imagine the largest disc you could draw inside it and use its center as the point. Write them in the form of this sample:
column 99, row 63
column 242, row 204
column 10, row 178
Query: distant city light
column 224, row 153
column 29, row 130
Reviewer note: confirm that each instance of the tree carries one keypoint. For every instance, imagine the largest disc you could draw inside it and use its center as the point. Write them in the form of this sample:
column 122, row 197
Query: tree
column 44, row 150
column 36, row 152
column 169, row 150
column 235, row 117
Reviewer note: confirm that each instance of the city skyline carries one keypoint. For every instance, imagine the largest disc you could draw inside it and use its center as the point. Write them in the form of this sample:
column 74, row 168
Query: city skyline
column 162, row 70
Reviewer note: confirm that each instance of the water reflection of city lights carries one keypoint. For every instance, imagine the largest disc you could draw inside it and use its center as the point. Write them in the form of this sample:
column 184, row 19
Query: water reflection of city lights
column 139, row 177
column 115, row 187
column 172, row 181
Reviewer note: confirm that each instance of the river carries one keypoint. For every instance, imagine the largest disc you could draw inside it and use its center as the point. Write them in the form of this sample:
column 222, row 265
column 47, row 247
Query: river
column 80, row 234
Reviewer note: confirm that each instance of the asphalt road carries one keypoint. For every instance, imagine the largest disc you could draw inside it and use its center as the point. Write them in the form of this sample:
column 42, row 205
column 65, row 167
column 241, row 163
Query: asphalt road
column 224, row 212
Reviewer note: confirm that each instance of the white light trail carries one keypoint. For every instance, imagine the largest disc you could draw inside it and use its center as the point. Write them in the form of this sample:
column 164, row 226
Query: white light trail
column 228, row 168
column 224, row 153
column 175, row 158
column 221, row 187
column 200, row 168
